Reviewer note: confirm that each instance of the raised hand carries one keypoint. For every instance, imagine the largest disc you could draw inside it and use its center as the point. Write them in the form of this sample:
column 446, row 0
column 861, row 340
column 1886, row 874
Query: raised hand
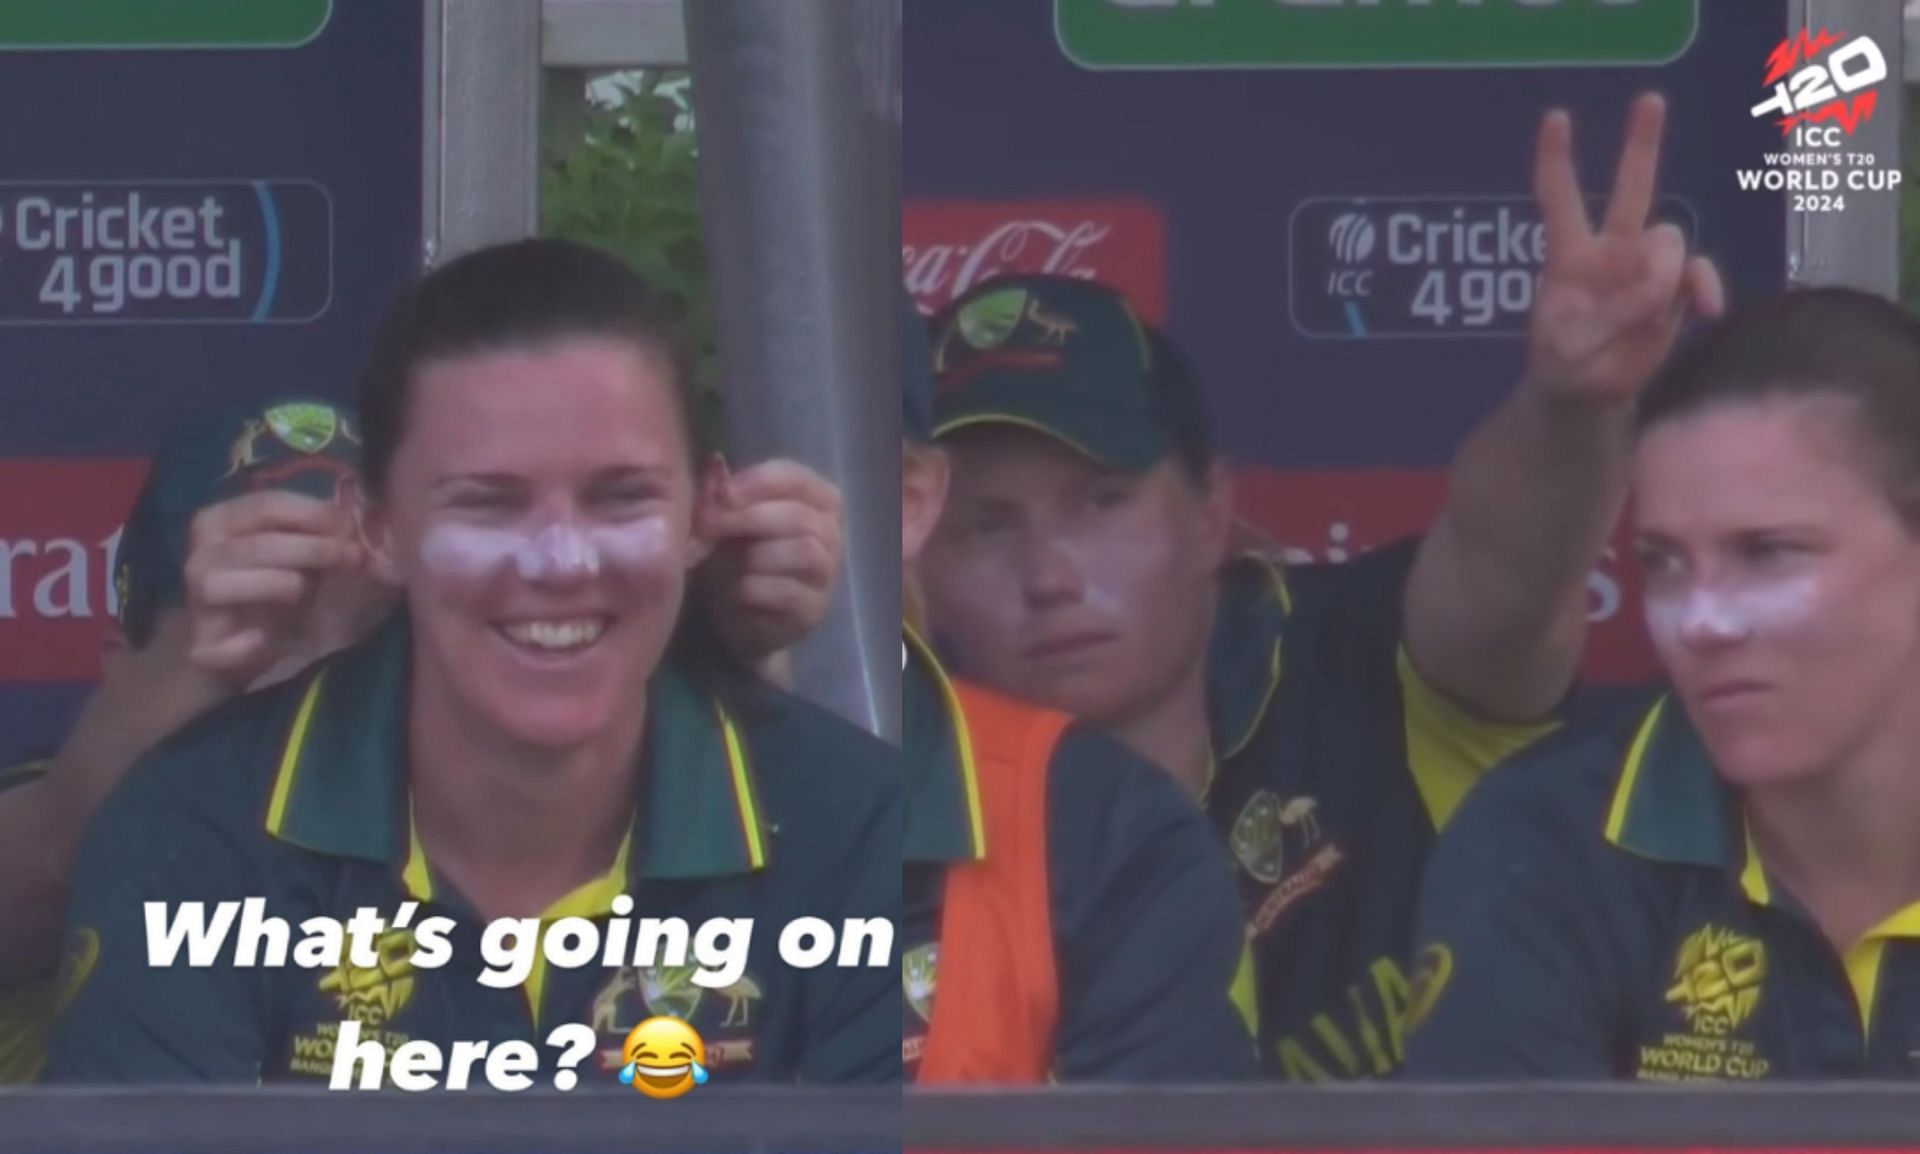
column 777, row 533
column 1611, row 301
column 253, row 576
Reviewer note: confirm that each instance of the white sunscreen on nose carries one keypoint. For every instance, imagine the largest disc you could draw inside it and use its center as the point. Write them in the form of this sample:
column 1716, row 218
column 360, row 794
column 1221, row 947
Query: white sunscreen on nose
column 1739, row 613
column 551, row 552
column 555, row 553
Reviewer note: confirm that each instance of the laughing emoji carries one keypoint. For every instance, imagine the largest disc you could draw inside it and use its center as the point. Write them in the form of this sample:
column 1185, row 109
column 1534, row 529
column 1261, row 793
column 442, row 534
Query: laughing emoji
column 665, row 1058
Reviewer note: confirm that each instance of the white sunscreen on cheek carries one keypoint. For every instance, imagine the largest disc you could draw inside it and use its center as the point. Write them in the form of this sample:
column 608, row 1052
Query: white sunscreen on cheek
column 1113, row 573
column 635, row 546
column 1097, row 587
column 469, row 552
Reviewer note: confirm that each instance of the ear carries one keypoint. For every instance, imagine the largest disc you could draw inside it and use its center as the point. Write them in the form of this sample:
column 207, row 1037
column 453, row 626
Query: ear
column 709, row 502
column 924, row 474
column 1216, row 520
column 374, row 526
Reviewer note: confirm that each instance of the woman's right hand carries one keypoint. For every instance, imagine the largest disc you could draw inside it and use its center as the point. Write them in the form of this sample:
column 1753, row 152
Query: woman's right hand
column 254, row 569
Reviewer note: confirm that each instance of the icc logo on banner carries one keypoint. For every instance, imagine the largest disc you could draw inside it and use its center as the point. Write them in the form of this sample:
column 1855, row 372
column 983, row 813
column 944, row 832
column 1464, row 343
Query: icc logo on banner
column 1351, row 237
column 1400, row 267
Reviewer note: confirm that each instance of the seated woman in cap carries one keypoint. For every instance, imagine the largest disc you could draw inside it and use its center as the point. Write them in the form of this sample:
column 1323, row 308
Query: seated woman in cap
column 1067, row 914
column 296, row 450
column 1328, row 718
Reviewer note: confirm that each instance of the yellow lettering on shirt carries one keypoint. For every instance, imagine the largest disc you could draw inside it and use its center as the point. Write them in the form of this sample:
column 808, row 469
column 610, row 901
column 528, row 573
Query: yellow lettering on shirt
column 1297, row 1066
column 1368, row 1040
column 1337, row 1044
column 1701, row 1058
column 1396, row 997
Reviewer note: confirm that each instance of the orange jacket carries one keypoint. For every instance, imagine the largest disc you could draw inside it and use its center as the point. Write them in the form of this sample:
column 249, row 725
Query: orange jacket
column 998, row 998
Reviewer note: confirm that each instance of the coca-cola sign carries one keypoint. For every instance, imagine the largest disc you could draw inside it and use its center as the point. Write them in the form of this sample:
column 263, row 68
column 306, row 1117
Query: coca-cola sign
column 948, row 246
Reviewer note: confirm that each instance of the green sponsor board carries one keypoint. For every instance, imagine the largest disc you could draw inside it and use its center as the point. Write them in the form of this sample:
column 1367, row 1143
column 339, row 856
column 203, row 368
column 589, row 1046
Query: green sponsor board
column 1174, row 34
column 160, row 24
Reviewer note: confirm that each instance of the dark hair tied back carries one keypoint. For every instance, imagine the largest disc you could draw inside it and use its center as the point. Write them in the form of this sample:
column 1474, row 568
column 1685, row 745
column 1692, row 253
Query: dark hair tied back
column 1811, row 343
column 511, row 296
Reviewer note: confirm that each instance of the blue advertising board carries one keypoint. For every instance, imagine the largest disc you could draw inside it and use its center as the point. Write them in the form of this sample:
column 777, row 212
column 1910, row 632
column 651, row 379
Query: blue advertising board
column 187, row 219
column 1339, row 224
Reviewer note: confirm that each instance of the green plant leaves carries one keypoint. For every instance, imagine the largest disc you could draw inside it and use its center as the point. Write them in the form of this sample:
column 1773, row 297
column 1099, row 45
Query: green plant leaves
column 629, row 184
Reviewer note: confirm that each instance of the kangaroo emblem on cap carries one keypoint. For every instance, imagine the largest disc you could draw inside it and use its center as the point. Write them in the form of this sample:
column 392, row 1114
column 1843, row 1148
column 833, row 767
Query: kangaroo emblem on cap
column 1054, row 328
column 245, row 453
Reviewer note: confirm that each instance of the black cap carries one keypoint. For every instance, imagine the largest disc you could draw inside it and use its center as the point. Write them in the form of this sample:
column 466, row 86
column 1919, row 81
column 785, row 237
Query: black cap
column 300, row 445
column 1070, row 358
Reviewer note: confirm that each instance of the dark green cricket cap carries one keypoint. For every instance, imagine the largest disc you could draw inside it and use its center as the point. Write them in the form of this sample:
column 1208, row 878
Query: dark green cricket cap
column 1070, row 358
column 296, row 444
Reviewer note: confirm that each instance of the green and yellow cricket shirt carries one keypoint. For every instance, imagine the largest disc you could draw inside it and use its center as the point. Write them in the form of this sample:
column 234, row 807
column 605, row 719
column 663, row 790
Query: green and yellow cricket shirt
column 26, row 1007
column 753, row 803
column 1145, row 928
column 1599, row 910
column 1334, row 765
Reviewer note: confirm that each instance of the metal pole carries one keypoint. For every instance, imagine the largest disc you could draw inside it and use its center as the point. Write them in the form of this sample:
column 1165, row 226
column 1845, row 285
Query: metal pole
column 483, row 160
column 799, row 135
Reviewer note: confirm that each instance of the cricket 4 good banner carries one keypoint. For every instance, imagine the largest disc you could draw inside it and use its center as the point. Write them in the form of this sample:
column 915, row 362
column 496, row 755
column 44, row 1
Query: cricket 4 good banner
column 1329, row 204
column 204, row 202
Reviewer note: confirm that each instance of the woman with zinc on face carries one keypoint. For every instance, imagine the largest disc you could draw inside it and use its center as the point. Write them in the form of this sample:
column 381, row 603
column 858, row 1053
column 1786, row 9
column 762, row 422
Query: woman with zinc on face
column 545, row 731
column 1727, row 885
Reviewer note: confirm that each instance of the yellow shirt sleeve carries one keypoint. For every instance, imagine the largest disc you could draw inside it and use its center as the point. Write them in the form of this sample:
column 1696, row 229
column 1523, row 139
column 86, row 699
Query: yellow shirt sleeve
column 1447, row 747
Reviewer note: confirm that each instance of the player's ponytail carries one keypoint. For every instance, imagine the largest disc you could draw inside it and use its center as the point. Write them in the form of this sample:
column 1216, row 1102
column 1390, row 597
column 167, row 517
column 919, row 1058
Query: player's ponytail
column 513, row 296
column 1823, row 343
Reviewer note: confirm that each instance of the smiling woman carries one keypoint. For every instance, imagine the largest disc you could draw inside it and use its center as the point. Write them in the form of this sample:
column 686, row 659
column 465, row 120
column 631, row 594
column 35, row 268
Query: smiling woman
column 531, row 476
column 540, row 733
